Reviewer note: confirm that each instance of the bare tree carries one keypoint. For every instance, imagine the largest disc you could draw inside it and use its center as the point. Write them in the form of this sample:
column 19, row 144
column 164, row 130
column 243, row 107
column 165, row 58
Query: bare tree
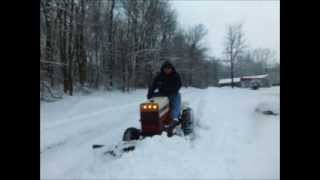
column 234, row 46
column 117, row 44
column 196, row 52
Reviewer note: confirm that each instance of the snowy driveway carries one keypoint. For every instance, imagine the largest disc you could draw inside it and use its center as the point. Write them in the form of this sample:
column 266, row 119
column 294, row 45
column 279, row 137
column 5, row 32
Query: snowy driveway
column 233, row 141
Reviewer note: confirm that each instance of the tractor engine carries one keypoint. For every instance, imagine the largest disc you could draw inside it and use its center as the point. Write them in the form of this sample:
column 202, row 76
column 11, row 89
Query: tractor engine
column 154, row 114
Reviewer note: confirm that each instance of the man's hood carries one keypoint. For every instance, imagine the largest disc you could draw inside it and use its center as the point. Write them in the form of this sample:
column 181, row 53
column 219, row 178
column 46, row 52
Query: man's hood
column 167, row 64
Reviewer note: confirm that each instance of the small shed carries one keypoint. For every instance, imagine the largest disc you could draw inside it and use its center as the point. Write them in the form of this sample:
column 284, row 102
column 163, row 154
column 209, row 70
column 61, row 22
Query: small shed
column 263, row 80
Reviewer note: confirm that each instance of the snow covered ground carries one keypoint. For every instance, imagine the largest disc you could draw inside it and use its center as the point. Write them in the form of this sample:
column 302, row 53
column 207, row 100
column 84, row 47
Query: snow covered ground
column 233, row 140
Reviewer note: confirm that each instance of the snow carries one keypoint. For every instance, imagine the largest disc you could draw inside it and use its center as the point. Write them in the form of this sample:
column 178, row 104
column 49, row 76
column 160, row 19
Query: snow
column 227, row 80
column 238, row 79
column 233, row 140
column 255, row 77
column 268, row 106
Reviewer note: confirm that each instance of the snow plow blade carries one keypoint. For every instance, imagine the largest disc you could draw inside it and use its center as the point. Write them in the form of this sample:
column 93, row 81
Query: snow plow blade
column 115, row 151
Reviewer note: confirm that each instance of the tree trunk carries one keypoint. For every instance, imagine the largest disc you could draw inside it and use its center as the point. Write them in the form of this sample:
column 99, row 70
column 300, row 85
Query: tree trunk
column 63, row 46
column 232, row 74
column 48, row 46
column 82, row 54
column 110, row 45
column 70, row 51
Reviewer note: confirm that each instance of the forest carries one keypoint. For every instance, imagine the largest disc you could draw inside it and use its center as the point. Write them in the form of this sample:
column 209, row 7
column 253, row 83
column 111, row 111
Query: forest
column 87, row 45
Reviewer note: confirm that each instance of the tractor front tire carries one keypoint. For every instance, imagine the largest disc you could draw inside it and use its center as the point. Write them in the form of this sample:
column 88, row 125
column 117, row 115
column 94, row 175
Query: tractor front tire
column 131, row 134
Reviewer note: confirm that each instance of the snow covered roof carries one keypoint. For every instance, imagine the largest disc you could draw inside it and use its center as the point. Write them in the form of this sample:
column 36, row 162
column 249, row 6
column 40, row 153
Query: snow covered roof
column 255, row 77
column 237, row 79
column 228, row 80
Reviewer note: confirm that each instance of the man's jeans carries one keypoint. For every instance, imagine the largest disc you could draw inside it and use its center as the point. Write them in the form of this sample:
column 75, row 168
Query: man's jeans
column 175, row 103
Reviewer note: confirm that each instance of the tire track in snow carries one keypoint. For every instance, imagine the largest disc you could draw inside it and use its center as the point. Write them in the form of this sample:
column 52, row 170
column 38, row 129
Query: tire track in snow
column 72, row 127
column 79, row 145
column 53, row 146
column 101, row 123
column 77, row 119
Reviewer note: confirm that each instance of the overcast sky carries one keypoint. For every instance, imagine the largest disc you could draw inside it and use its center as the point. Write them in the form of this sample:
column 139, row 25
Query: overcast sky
column 260, row 18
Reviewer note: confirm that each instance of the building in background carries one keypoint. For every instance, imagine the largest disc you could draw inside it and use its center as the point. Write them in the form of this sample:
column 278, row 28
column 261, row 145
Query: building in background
column 247, row 81
column 227, row 82
column 275, row 77
column 262, row 80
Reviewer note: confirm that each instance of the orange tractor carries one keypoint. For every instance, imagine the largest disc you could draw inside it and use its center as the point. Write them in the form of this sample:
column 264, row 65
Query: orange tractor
column 154, row 119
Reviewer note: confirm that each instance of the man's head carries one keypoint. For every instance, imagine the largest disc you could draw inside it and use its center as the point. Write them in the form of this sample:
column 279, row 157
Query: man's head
column 167, row 68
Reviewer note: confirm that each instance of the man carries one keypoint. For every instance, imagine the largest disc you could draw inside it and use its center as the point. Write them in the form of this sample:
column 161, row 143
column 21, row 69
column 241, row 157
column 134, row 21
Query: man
column 168, row 83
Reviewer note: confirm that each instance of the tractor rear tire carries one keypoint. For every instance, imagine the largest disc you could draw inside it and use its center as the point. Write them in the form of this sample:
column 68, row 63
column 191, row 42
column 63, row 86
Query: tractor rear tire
column 187, row 121
column 131, row 133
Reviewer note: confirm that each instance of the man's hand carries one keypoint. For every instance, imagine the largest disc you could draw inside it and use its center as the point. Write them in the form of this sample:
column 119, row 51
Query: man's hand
column 149, row 96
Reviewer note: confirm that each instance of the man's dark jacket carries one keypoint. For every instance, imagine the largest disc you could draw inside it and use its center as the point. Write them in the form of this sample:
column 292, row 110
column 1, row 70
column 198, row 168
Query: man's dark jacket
column 166, row 84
